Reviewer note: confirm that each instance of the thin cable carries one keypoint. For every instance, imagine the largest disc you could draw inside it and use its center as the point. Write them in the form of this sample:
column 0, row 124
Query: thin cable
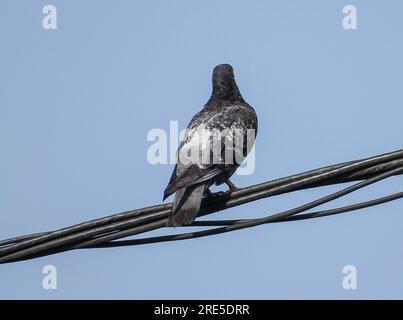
column 381, row 162
column 145, row 223
column 182, row 236
column 304, row 216
column 102, row 242
column 241, row 224
column 150, row 218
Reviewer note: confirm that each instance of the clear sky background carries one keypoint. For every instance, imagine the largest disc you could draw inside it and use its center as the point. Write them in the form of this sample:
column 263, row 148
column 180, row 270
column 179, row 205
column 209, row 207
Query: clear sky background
column 76, row 105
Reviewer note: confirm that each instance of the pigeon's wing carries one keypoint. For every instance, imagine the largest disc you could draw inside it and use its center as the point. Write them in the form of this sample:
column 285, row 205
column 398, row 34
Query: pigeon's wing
column 185, row 175
column 204, row 168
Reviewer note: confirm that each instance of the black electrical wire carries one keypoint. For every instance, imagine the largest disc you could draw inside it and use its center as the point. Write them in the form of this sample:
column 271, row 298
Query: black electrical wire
column 215, row 223
column 147, row 214
column 379, row 164
column 241, row 224
column 101, row 231
column 289, row 215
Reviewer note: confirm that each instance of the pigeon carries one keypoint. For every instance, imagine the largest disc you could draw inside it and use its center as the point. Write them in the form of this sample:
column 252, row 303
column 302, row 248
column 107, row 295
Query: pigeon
column 216, row 142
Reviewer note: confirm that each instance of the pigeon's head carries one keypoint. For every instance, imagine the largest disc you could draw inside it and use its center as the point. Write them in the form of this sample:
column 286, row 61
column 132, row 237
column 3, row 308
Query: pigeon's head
column 224, row 85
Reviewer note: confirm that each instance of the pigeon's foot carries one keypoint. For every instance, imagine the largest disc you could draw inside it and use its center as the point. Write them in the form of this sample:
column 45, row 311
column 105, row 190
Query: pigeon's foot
column 232, row 187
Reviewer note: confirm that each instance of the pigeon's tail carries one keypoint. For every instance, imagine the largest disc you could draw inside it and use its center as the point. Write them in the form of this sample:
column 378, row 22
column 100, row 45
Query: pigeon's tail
column 186, row 205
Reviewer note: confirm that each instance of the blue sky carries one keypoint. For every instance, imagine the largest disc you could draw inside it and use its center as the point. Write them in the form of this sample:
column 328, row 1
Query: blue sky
column 76, row 105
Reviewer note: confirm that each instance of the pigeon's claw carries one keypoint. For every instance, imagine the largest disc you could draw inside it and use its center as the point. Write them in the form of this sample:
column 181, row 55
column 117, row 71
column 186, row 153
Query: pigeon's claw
column 232, row 187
